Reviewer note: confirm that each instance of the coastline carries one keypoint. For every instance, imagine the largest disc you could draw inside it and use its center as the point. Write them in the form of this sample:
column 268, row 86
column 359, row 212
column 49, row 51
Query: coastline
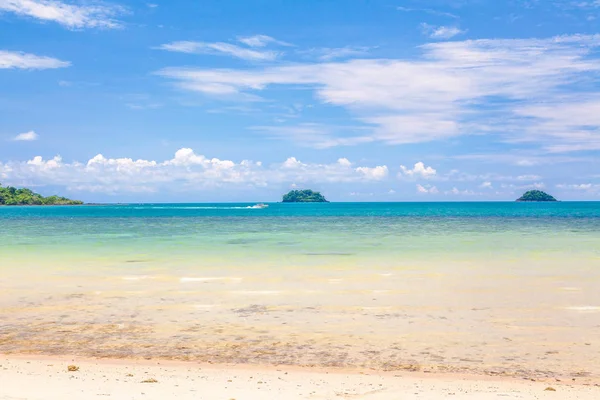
column 48, row 378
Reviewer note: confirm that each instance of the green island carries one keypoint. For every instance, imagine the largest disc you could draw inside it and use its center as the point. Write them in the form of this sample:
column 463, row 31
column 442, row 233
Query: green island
column 11, row 196
column 304, row 196
column 536, row 195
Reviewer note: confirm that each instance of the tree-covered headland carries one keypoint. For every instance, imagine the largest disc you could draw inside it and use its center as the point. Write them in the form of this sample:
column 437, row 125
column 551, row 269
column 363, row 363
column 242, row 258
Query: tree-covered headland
column 12, row 196
column 304, row 196
column 536, row 195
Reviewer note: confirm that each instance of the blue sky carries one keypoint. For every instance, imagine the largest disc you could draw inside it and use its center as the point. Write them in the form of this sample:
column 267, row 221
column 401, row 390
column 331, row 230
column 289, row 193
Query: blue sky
column 384, row 100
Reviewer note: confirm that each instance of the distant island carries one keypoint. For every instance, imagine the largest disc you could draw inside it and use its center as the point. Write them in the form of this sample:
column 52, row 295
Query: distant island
column 536, row 195
column 304, row 196
column 11, row 196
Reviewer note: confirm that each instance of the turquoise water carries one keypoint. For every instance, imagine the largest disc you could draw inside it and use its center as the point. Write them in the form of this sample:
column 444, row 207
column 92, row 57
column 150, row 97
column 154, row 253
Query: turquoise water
column 291, row 233
column 489, row 286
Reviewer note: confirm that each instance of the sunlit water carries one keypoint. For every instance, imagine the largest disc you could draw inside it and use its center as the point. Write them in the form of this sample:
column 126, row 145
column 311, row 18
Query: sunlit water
column 497, row 288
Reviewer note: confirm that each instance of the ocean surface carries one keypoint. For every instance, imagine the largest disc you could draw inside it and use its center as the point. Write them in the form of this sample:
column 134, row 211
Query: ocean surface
column 494, row 288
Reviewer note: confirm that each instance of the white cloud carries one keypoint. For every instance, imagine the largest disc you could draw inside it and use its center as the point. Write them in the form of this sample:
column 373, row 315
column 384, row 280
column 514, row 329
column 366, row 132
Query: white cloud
column 329, row 53
column 428, row 11
column 219, row 48
column 186, row 171
column 26, row 136
column 260, row 41
column 376, row 173
column 570, row 123
column 427, row 189
column 91, row 15
column 441, row 32
column 418, row 171
column 316, row 135
column 486, row 185
column 20, row 60
column 588, row 187
column 458, row 192
column 438, row 96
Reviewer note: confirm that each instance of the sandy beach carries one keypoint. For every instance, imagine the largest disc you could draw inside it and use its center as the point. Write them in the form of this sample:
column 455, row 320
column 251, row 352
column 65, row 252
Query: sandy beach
column 48, row 378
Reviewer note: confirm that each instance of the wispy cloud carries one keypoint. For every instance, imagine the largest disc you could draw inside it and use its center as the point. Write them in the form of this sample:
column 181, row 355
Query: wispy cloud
column 428, row 11
column 333, row 53
column 261, row 41
column 318, row 136
column 219, row 48
column 20, row 60
column 90, row 15
column 441, row 32
column 26, row 137
column 440, row 94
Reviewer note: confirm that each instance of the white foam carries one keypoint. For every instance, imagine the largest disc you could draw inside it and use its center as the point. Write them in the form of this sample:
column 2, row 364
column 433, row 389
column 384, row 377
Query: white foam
column 137, row 278
column 583, row 308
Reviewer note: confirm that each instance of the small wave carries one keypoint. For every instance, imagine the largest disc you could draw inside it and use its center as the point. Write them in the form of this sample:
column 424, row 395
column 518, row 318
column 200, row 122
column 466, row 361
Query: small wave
column 197, row 208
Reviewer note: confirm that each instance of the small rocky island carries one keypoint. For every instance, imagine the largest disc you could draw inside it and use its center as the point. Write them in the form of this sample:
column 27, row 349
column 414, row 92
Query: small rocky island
column 304, row 196
column 11, row 196
column 536, row 195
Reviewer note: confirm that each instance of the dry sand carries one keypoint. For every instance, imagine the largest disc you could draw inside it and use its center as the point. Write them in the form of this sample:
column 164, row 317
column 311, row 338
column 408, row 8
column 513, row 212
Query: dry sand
column 45, row 378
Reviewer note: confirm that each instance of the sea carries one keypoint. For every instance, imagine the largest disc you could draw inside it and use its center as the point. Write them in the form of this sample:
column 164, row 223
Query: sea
column 494, row 288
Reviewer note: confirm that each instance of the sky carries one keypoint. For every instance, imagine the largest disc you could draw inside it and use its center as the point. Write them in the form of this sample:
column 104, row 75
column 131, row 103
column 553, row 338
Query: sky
column 244, row 100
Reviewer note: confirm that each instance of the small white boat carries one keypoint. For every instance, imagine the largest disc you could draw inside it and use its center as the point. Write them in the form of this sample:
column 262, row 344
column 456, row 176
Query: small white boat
column 260, row 205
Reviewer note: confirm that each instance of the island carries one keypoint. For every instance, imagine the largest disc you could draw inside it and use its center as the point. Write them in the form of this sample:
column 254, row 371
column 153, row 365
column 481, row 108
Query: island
column 11, row 196
column 536, row 195
column 304, row 196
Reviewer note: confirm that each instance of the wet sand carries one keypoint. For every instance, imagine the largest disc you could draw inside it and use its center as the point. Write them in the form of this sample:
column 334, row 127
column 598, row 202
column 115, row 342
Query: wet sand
column 48, row 378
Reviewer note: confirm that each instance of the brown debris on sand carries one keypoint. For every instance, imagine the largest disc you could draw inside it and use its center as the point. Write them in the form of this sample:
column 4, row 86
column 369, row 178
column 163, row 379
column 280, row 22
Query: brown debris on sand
column 72, row 368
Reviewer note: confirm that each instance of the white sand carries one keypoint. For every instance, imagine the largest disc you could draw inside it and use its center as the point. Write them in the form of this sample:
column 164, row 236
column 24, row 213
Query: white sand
column 43, row 378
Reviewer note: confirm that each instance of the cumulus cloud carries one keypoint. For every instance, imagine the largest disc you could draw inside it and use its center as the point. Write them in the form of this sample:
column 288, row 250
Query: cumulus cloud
column 457, row 192
column 26, row 136
column 187, row 170
column 376, row 173
column 427, row 189
column 486, row 185
column 438, row 95
column 20, row 60
column 418, row 171
column 219, row 48
column 90, row 15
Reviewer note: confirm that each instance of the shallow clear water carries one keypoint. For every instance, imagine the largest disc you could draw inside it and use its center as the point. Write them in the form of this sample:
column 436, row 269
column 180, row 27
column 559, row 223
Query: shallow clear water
column 496, row 287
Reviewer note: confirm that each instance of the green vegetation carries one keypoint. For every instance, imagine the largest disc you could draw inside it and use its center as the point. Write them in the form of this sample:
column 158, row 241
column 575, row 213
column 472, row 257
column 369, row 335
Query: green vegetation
column 536, row 195
column 11, row 196
column 304, row 196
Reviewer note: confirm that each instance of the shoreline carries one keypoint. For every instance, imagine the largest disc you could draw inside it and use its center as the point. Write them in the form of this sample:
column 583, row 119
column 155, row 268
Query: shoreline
column 33, row 377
